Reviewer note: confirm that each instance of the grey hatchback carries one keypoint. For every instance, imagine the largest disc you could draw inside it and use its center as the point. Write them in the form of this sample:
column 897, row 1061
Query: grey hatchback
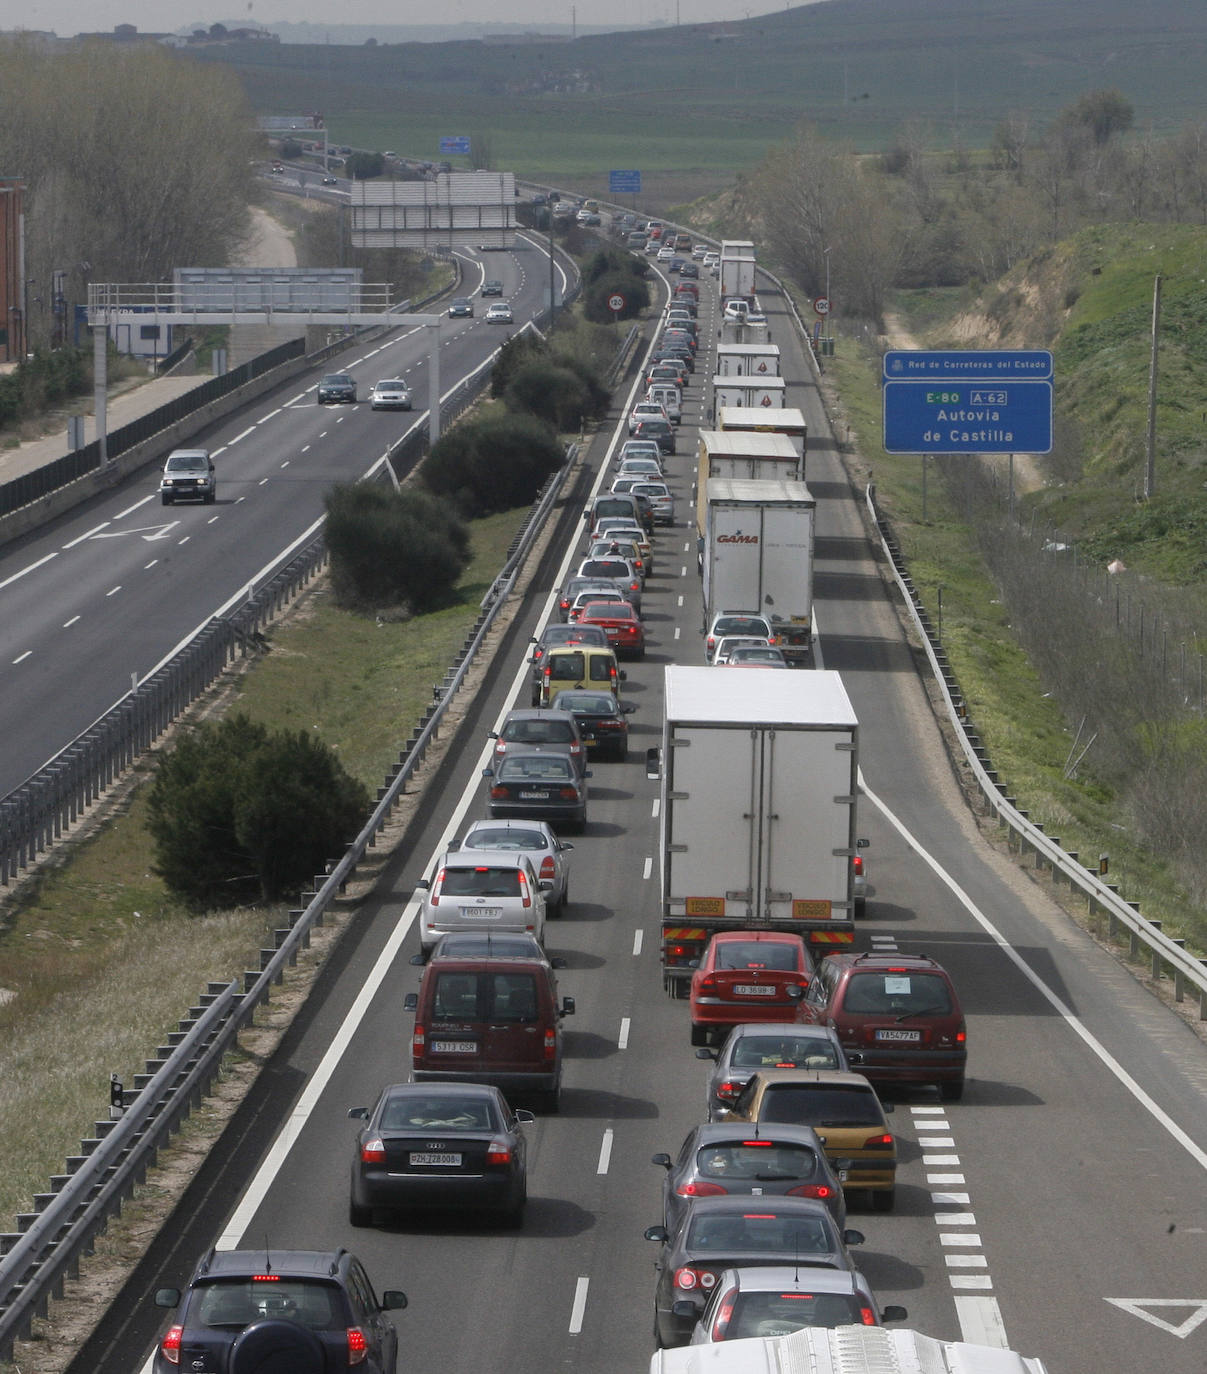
column 336, row 388
column 752, row 1046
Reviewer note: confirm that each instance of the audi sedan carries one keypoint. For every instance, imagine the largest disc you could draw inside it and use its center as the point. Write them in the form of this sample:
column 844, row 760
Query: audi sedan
column 391, row 394
column 719, row 1233
column 724, row 1160
column 456, row 1146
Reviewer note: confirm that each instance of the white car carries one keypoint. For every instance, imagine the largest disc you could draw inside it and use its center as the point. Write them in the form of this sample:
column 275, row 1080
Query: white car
column 728, row 643
column 538, row 842
column 665, row 254
column 391, row 394
column 646, row 410
column 736, row 623
column 468, row 891
column 699, row 252
column 500, row 313
column 640, row 467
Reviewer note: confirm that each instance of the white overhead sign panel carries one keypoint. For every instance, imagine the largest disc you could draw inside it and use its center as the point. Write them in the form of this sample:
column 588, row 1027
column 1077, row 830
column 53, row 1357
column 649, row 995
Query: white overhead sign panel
column 456, row 209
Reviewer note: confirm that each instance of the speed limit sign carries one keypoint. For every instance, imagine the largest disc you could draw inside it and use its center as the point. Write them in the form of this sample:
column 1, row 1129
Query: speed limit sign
column 616, row 302
column 822, row 305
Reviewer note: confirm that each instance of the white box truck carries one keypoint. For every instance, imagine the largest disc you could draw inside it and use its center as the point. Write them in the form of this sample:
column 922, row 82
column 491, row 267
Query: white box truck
column 843, row 1350
column 758, row 556
column 749, row 393
column 737, row 270
column 741, row 419
column 755, row 330
column 748, row 360
column 758, row 774
column 755, row 455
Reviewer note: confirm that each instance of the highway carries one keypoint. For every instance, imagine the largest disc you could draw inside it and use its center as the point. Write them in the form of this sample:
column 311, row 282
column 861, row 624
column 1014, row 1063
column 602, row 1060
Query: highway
column 106, row 593
column 1059, row 1208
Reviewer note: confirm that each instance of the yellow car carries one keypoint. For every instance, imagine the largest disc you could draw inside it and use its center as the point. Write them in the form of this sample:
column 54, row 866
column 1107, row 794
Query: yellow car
column 844, row 1111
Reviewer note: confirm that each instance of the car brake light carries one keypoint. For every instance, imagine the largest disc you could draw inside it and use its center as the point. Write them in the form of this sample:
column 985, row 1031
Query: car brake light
column 708, row 983
column 418, row 1040
column 498, row 1152
column 169, row 1347
column 358, row 1347
column 817, row 1190
column 728, row 1089
column 373, row 1151
column 689, row 1279
column 878, row 1142
column 525, row 895
column 498, row 793
column 433, row 897
column 550, row 1042
column 699, row 1189
column 867, row 1316
column 266, row 1278
column 961, row 1036
column 566, row 794
column 548, row 867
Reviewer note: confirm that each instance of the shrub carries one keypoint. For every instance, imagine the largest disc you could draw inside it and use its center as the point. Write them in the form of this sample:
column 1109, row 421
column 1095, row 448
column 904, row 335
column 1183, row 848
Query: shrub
column 238, row 814
column 550, row 390
column 631, row 288
column 393, row 548
column 516, row 353
column 496, row 464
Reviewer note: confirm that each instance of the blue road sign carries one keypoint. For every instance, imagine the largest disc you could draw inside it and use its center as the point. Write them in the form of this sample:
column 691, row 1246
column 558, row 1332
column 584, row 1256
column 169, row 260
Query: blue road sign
column 999, row 365
column 624, row 183
column 942, row 416
column 457, row 143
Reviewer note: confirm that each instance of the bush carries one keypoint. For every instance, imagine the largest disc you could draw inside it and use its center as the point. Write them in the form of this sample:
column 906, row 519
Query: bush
column 551, row 391
column 238, row 814
column 393, row 548
column 518, row 352
column 494, row 465
column 363, row 166
column 633, row 290
column 43, row 380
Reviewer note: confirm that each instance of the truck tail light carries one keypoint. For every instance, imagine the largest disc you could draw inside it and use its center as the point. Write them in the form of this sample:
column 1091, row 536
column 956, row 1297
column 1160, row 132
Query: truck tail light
column 373, row 1151
column 857, row 865
column 169, row 1347
column 867, row 1317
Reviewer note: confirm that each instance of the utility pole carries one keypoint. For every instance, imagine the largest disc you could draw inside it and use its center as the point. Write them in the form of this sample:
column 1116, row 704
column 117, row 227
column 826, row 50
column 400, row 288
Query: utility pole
column 1150, row 453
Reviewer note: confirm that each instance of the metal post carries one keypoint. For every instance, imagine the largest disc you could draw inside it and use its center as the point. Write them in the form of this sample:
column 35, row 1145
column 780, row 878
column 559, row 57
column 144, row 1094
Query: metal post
column 433, row 387
column 1150, row 447
column 924, row 488
column 825, row 252
column 1012, row 488
column 551, row 265
column 100, row 381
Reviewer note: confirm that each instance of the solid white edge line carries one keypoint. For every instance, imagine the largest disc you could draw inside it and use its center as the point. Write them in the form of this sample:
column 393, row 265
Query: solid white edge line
column 605, row 1152
column 16, row 577
column 981, row 1322
column 580, row 1305
column 79, row 539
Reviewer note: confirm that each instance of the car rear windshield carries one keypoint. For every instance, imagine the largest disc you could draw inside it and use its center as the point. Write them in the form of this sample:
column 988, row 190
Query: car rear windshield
column 772, row 954
column 186, row 462
column 538, row 768
column 607, row 567
column 759, row 1232
column 569, row 667
column 236, row 1303
column 740, row 625
column 897, row 994
column 821, row 1105
column 777, row 1051
column 481, row 882
column 764, row 1161
column 539, row 732
column 507, row 838
column 600, row 705
column 601, row 670
column 408, row 1112
column 607, row 507
column 763, row 1314
column 485, row 996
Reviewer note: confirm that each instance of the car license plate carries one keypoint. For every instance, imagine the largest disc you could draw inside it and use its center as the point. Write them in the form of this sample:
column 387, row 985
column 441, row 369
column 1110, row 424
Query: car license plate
column 430, row 1161
column 756, row 989
column 454, row 1046
column 533, row 796
column 489, row 912
column 902, row 1035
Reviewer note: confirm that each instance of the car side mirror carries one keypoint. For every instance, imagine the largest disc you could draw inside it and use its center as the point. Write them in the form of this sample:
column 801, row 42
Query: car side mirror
column 707, row 1054
column 693, row 963
column 658, row 1233
column 653, row 763
column 418, row 960
column 167, row 1297
column 524, row 1117
column 546, row 884
column 622, row 675
column 393, row 1300
column 423, row 885
column 567, row 1006
column 588, row 774
column 628, row 708
column 411, row 1002
column 661, row 1158
column 853, row 1237
column 862, row 842
column 854, row 1057
column 359, row 1113
column 893, row 1314
column 494, row 734
column 565, row 847
column 488, row 772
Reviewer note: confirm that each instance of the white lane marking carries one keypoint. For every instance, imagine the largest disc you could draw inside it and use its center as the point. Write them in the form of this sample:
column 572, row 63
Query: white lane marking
column 950, row 1199
column 657, row 808
column 1136, row 1306
column 149, row 565
column 130, row 509
column 676, row 631
column 263, row 482
column 217, row 451
column 933, row 1179
column 623, row 1042
column 1074, row 1022
column 936, row 1142
column 264, row 418
column 580, row 1305
column 301, row 396
column 981, row 1321
column 114, row 590
column 683, row 570
column 185, row 540
column 17, row 576
column 22, row 657
column 605, row 1152
column 680, row 598
column 966, row 1261
column 933, row 1161
column 213, row 519
column 638, row 936
column 79, row 539
column 67, row 624
column 966, row 1240
column 648, row 868
column 285, row 464
column 251, row 429
column 305, row 448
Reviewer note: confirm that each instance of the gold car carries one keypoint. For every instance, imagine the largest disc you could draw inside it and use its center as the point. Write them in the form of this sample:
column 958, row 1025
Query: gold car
column 844, row 1111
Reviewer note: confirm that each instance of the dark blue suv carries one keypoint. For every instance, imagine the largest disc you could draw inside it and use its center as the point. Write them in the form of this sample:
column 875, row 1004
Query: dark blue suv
column 315, row 1307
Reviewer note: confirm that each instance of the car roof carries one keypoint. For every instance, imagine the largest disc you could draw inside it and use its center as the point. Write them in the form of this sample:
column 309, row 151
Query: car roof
column 290, row 1263
column 873, row 962
column 743, row 1202
column 788, row 1132
column 763, row 1278
column 487, row 944
column 535, row 713
column 472, row 858
column 771, row 937
column 392, row 381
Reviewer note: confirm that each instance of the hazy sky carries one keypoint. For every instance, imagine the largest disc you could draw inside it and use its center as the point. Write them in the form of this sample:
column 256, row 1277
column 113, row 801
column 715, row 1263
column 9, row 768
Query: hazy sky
column 66, row 17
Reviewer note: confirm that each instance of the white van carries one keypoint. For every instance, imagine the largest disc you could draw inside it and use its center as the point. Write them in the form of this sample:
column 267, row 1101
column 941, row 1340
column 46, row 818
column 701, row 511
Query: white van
column 669, row 397
column 843, row 1350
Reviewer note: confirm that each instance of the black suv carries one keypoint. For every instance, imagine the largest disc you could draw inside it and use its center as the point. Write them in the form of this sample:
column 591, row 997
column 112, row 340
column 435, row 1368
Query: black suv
column 335, row 388
column 316, row 1306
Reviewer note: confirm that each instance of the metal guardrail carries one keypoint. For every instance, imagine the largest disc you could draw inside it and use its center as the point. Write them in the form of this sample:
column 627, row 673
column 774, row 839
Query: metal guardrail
column 1028, row 836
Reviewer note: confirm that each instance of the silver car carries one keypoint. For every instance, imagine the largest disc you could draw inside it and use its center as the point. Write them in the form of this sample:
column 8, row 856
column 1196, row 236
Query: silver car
column 391, row 394
column 188, row 475
column 660, row 497
column 776, row 1300
column 469, row 891
column 536, row 840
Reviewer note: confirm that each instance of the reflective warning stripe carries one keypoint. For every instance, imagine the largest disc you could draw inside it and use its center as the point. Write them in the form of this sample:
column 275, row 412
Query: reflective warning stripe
column 684, row 933
column 831, row 937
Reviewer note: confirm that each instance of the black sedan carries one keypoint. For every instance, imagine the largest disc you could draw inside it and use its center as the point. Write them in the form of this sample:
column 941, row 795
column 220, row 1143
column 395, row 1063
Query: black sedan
column 719, row 1233
column 776, row 1161
column 440, row 1145
column 545, row 787
column 751, row 1047
column 601, row 721
column 336, row 388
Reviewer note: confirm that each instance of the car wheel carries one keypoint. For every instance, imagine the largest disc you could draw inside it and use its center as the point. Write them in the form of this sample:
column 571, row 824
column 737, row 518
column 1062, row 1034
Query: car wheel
column 513, row 1216
column 211, row 497
column 951, row 1092
column 861, row 908
column 166, row 499
column 700, row 1036
column 884, row 1199
column 359, row 1216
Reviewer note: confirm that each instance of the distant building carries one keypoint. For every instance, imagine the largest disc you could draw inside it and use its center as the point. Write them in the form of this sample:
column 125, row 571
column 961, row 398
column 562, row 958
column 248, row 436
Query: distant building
column 12, row 270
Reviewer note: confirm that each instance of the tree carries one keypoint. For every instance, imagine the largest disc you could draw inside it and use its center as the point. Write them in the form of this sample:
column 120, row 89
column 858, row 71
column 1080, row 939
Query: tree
column 364, row 166
column 238, row 814
column 493, row 465
column 291, row 149
column 1102, row 114
column 598, row 295
column 392, row 548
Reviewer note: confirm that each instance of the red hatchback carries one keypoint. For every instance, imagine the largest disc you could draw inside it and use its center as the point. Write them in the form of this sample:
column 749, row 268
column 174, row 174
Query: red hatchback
column 620, row 622
column 747, row 975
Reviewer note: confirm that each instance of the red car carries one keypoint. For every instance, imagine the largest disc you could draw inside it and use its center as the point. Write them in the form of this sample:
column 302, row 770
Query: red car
column 620, row 622
column 747, row 975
